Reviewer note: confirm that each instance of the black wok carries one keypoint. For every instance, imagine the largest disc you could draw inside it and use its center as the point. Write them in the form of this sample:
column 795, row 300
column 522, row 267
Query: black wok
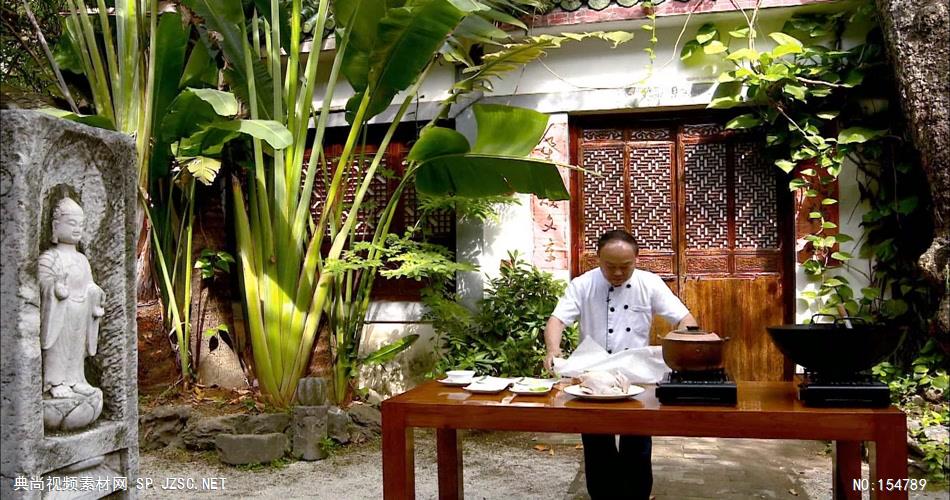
column 833, row 349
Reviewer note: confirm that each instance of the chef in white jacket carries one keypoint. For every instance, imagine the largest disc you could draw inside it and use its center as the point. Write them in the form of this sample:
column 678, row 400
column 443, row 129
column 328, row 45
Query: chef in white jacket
column 615, row 304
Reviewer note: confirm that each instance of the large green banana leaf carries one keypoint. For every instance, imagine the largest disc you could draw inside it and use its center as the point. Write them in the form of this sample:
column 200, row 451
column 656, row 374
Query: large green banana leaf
column 496, row 165
column 227, row 18
column 169, row 61
column 361, row 18
column 170, row 49
column 407, row 39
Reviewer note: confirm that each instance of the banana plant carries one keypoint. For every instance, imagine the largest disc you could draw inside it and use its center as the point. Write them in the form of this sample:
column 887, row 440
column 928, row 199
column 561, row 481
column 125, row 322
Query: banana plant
column 146, row 82
column 193, row 123
column 382, row 50
column 119, row 67
column 197, row 125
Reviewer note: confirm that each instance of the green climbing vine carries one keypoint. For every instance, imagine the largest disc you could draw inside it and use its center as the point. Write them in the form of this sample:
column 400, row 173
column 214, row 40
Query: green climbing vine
column 649, row 6
column 822, row 107
column 810, row 96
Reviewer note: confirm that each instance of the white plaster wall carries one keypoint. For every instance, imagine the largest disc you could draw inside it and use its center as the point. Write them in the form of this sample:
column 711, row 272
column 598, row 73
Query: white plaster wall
column 850, row 212
column 386, row 322
column 434, row 89
column 408, row 368
column 486, row 244
column 590, row 76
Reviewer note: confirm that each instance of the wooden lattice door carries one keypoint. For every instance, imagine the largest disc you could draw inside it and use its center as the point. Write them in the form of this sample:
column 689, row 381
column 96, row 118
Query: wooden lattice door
column 438, row 227
column 705, row 209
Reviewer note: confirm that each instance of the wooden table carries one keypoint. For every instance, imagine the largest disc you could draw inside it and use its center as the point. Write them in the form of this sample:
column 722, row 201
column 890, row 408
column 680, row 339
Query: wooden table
column 765, row 410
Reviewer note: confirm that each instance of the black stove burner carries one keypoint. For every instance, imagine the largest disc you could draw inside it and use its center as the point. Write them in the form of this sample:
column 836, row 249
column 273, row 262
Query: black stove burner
column 860, row 389
column 697, row 388
column 702, row 377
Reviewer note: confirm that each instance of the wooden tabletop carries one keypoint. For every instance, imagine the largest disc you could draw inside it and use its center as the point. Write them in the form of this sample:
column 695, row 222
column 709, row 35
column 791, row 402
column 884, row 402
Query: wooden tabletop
column 764, row 410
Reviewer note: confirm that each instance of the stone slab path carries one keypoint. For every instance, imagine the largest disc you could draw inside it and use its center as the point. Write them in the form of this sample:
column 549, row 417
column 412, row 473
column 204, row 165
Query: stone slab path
column 511, row 466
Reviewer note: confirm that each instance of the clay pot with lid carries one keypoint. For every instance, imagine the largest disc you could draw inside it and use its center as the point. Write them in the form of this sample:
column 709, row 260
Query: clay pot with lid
column 693, row 349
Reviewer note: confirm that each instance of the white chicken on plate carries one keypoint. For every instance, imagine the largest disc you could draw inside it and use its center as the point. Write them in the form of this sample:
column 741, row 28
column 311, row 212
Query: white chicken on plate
column 604, row 383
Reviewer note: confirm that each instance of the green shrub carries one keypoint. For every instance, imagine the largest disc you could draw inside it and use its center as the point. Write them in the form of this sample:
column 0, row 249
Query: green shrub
column 505, row 336
column 921, row 392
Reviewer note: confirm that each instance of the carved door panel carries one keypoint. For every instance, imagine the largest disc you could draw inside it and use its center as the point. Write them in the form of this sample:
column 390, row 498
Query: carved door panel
column 704, row 208
column 631, row 186
column 731, row 246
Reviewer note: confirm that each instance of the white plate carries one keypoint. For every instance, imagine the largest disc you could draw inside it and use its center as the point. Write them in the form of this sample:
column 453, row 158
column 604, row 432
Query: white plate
column 455, row 382
column 524, row 386
column 576, row 391
column 488, row 385
column 526, row 391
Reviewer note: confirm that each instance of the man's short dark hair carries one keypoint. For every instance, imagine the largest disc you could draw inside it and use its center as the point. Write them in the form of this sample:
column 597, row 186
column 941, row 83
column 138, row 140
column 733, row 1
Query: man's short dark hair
column 617, row 235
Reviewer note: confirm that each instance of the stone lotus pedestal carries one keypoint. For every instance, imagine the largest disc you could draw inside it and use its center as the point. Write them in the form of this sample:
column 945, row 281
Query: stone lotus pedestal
column 72, row 413
column 89, row 440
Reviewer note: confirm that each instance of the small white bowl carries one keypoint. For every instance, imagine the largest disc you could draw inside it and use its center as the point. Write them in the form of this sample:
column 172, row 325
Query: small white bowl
column 460, row 374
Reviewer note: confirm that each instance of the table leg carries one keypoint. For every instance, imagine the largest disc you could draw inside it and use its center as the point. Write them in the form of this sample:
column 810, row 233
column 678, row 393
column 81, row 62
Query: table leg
column 399, row 475
column 846, row 468
column 449, row 454
column 889, row 461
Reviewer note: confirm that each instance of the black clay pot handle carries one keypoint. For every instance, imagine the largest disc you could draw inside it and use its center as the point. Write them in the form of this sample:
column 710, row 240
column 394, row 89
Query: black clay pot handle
column 822, row 315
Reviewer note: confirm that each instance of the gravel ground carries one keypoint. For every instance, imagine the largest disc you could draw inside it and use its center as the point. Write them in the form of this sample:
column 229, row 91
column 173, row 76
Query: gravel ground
column 497, row 465
column 512, row 466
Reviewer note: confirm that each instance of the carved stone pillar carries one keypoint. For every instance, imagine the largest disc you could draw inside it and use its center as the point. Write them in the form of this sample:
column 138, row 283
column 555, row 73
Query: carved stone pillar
column 68, row 309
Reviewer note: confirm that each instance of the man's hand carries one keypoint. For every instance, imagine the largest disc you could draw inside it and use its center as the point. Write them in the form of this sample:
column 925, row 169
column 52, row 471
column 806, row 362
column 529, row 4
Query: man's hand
column 549, row 360
column 552, row 342
column 61, row 290
column 687, row 320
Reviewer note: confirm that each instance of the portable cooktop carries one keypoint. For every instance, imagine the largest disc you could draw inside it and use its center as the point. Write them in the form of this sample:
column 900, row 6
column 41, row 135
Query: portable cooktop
column 851, row 390
column 697, row 388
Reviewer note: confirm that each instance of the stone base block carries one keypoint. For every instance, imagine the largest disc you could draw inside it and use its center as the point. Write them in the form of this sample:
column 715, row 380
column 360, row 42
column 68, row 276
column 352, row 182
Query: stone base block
column 309, row 431
column 241, row 449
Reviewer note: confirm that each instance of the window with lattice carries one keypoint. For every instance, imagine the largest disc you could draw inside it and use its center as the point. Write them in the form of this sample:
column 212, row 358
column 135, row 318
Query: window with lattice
column 434, row 227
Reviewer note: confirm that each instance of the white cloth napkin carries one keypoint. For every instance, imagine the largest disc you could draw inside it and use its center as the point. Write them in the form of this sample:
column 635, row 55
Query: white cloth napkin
column 643, row 365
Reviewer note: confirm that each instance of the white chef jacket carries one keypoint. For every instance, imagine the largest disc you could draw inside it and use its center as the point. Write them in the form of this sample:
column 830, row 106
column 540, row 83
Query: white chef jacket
column 618, row 317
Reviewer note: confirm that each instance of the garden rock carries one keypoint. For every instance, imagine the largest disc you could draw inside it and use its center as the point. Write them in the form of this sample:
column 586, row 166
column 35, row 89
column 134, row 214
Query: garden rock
column 338, row 425
column 312, row 391
column 309, row 430
column 373, row 397
column 913, row 425
column 162, row 427
column 199, row 433
column 242, row 449
column 936, row 433
column 265, row 423
column 366, row 416
column 367, row 420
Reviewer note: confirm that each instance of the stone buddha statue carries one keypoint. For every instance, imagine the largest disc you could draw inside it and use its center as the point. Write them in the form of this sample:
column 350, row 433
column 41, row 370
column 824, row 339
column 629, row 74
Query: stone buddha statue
column 70, row 311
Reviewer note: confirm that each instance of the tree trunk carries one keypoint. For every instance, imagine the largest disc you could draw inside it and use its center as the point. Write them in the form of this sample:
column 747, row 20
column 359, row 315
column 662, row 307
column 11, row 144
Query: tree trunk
column 216, row 359
column 916, row 33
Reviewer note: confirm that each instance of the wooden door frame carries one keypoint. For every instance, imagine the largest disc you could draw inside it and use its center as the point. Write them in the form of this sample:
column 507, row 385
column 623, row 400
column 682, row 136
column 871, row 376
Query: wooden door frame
column 674, row 121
